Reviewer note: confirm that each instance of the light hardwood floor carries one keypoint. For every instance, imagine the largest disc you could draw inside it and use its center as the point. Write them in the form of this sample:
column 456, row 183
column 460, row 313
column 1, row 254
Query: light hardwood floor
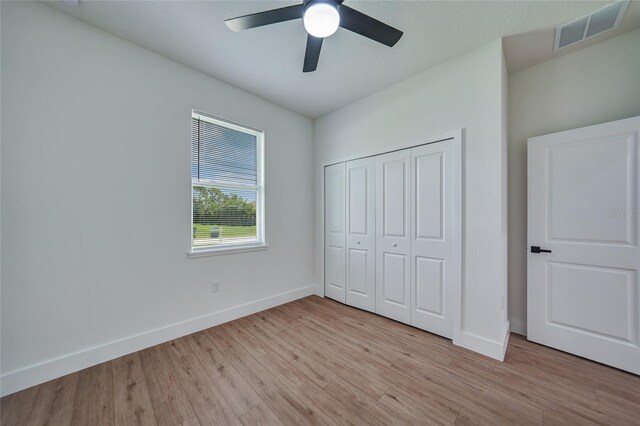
column 315, row 361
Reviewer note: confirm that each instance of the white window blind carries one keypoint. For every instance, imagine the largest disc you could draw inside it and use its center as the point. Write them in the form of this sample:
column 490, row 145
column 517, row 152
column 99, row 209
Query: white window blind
column 227, row 184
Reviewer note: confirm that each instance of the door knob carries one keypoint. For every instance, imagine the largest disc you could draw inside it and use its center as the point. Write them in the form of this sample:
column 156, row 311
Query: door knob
column 537, row 249
column 357, row 242
column 394, row 245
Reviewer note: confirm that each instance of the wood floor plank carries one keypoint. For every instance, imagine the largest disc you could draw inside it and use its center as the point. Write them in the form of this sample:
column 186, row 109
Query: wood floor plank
column 208, row 403
column 374, row 345
column 54, row 405
column 330, row 410
column 132, row 402
column 260, row 415
column 578, row 400
column 287, row 313
column 402, row 407
column 94, row 397
column 315, row 361
column 193, row 421
column 16, row 408
column 236, row 390
column 370, row 410
column 397, row 331
column 618, row 403
column 561, row 417
column 170, row 402
column 441, row 407
column 238, row 330
column 446, row 409
column 293, row 354
column 350, row 366
column 400, row 337
column 403, row 378
column 352, row 339
column 282, row 401
column 266, row 320
column 570, row 370
column 494, row 408
column 578, row 396
column 467, row 418
column 410, row 341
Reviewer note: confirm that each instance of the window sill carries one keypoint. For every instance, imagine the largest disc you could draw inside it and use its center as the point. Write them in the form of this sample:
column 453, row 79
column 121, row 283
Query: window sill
column 226, row 250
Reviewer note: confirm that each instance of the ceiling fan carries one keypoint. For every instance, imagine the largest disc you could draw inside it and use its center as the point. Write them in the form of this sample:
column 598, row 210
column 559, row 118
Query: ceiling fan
column 321, row 19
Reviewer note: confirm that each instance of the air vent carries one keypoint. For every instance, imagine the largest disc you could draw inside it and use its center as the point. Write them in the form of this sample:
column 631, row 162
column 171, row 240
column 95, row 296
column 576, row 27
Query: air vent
column 598, row 22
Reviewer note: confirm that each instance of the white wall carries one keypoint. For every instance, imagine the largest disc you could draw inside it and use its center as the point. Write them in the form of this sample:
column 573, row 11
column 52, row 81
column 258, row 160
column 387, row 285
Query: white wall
column 96, row 199
column 593, row 85
column 463, row 93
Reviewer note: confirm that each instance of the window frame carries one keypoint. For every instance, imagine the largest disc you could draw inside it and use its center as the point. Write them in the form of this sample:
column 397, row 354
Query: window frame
column 259, row 188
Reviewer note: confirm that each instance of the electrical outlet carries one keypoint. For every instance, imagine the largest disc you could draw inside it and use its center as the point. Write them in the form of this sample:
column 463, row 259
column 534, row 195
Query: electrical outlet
column 215, row 286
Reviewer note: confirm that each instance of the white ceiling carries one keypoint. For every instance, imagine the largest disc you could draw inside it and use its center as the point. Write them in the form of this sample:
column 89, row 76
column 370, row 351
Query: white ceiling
column 267, row 61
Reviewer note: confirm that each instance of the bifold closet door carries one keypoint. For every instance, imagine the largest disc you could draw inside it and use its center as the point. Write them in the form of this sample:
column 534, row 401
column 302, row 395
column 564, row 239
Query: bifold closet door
column 393, row 244
column 361, row 237
column 435, row 264
column 334, row 256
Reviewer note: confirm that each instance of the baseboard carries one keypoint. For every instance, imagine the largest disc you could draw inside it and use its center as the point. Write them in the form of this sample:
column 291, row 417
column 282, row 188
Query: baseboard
column 23, row 378
column 484, row 346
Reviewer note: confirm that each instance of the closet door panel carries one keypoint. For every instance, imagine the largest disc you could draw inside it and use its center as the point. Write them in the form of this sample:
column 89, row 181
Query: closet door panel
column 360, row 238
column 335, row 255
column 429, row 291
column 428, row 177
column 395, row 279
column 393, row 235
column 358, row 265
column 394, row 197
column 433, row 244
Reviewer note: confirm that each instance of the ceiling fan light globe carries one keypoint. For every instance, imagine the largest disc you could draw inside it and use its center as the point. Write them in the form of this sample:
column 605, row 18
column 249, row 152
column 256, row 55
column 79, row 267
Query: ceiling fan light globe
column 321, row 19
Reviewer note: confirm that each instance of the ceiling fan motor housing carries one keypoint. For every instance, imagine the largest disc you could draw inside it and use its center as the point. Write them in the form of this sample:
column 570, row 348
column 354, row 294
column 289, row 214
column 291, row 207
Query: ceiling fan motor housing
column 335, row 3
column 321, row 18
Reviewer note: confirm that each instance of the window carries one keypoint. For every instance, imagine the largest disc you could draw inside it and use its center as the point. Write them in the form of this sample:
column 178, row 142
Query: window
column 227, row 185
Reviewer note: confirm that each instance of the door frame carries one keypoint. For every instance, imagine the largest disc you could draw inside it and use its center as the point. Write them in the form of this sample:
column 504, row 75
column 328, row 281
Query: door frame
column 458, row 282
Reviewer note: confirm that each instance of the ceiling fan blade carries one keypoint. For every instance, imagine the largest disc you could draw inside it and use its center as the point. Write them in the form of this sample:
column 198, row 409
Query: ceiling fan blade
column 312, row 54
column 269, row 17
column 367, row 26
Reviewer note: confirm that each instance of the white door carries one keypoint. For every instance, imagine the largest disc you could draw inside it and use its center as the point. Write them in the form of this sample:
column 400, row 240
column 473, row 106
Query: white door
column 583, row 259
column 393, row 244
column 435, row 236
column 361, row 236
column 335, row 232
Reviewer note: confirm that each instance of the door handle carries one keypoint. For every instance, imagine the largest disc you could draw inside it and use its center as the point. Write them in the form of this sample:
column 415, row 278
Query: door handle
column 537, row 249
column 394, row 245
